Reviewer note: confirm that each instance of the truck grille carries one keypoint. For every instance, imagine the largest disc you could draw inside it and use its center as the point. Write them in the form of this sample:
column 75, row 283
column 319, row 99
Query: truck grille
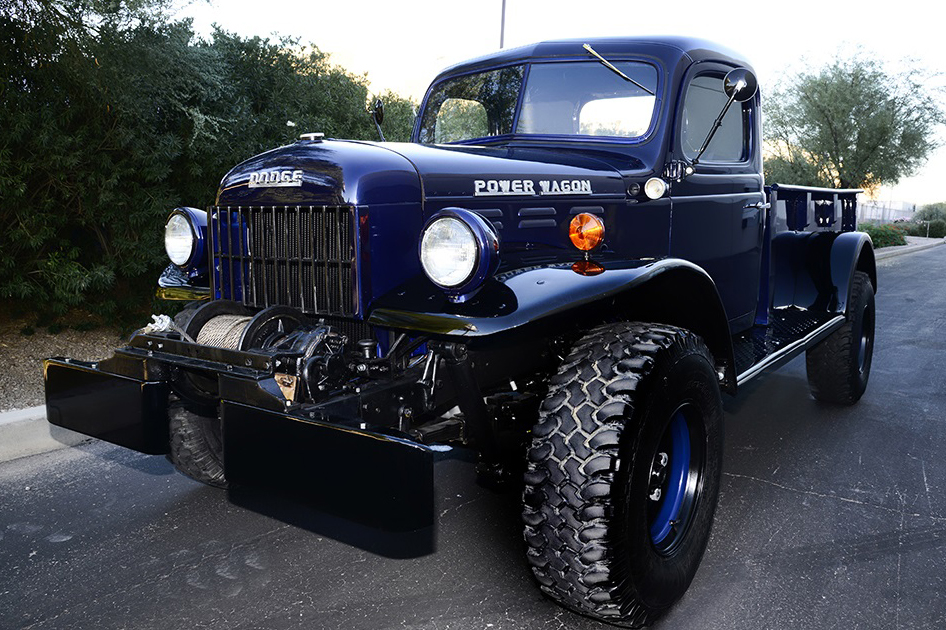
column 298, row 256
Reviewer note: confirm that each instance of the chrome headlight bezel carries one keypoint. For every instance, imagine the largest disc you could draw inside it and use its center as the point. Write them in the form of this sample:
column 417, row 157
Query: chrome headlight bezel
column 471, row 235
column 186, row 224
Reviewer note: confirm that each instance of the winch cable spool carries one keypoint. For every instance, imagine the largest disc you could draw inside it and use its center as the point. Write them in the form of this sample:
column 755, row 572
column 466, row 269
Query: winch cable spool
column 223, row 331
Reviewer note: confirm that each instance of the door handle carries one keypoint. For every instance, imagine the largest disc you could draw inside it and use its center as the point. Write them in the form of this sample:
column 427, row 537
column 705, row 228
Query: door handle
column 760, row 205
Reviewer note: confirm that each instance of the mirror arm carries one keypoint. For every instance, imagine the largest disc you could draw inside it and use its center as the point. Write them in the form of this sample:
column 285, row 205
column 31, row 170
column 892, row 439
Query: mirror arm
column 377, row 115
column 378, row 127
column 716, row 125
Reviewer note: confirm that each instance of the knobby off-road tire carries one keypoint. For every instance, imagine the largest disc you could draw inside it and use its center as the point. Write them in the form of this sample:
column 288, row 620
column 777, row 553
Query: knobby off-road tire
column 197, row 446
column 839, row 366
column 634, row 407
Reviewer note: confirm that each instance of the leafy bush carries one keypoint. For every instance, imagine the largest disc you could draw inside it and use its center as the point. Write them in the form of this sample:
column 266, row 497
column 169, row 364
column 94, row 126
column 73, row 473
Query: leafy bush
column 931, row 212
column 933, row 229
column 911, row 229
column 884, row 235
column 938, row 229
column 111, row 115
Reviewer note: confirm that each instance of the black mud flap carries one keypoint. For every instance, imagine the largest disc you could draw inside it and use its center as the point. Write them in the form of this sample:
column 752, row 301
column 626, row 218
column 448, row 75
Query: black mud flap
column 376, row 480
column 117, row 409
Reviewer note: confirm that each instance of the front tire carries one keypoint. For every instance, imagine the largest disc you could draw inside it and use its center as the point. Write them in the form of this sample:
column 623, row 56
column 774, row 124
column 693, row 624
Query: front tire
column 623, row 472
column 197, row 446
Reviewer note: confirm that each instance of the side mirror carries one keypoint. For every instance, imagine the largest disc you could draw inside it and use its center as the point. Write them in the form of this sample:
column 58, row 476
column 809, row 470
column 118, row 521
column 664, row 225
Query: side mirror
column 377, row 114
column 740, row 85
column 378, row 111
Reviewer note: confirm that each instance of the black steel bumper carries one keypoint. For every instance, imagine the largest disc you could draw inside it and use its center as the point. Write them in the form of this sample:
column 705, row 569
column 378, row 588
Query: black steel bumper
column 111, row 407
column 337, row 465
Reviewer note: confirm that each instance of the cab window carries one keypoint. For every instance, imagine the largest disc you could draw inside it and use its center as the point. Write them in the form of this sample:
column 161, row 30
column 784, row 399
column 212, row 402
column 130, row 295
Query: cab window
column 459, row 119
column 472, row 107
column 704, row 101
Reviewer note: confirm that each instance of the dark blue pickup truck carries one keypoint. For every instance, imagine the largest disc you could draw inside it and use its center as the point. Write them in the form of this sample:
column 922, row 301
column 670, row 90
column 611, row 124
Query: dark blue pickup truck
column 566, row 267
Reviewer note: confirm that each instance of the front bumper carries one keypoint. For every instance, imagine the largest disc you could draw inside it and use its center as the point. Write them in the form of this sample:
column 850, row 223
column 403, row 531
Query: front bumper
column 318, row 455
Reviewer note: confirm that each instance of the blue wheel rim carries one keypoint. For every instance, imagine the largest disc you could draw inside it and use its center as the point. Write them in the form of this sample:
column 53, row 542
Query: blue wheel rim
column 678, row 473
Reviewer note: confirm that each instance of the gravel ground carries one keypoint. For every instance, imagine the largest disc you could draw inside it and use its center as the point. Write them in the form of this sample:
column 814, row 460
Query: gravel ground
column 21, row 379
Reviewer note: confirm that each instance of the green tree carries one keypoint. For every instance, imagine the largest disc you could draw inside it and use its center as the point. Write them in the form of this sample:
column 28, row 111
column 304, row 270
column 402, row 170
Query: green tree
column 851, row 124
column 111, row 115
column 931, row 212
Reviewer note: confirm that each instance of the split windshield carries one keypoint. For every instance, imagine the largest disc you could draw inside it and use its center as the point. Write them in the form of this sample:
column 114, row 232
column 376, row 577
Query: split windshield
column 581, row 98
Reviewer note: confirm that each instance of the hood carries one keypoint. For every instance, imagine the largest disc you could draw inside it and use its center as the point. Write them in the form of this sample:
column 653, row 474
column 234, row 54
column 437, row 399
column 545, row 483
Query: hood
column 329, row 172
column 336, row 172
column 480, row 171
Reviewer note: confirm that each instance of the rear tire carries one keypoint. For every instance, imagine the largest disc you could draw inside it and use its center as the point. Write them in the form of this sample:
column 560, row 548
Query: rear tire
column 623, row 472
column 839, row 367
column 197, row 446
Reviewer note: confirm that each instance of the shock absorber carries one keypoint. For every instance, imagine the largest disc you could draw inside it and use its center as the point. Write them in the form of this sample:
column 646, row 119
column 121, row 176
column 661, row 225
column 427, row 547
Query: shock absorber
column 489, row 469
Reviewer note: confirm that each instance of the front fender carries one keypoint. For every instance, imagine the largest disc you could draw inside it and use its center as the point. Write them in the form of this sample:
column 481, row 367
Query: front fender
column 669, row 291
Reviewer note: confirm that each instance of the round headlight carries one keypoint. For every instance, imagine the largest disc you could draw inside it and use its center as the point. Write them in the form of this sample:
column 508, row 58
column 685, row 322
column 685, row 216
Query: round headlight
column 179, row 239
column 448, row 252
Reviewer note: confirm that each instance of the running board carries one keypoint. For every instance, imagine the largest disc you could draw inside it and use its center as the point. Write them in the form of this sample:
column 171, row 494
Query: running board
column 790, row 333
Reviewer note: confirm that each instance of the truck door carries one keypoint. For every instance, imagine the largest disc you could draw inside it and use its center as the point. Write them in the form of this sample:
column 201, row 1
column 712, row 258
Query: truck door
column 717, row 212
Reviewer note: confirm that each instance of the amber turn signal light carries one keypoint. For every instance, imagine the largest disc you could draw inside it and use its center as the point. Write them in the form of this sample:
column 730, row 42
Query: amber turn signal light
column 586, row 231
column 587, row 268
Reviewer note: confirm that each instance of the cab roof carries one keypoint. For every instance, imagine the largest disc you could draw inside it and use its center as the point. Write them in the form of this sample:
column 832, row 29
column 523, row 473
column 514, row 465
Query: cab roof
column 669, row 49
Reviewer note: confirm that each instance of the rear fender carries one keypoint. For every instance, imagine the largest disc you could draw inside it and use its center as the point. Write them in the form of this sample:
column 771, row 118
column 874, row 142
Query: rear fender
column 851, row 251
column 814, row 271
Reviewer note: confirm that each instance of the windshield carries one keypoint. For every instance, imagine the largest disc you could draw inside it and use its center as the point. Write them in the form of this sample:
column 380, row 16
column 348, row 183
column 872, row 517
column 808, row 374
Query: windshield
column 582, row 98
column 472, row 106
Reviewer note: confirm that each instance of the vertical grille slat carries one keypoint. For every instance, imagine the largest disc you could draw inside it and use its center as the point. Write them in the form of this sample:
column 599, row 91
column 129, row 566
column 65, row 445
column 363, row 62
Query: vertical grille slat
column 340, row 270
column 219, row 248
column 323, row 240
column 243, row 248
column 274, row 242
column 298, row 276
column 228, row 226
column 298, row 256
column 309, row 279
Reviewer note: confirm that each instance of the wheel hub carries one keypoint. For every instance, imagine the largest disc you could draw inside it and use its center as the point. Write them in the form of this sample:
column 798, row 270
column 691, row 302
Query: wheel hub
column 658, row 476
column 673, row 482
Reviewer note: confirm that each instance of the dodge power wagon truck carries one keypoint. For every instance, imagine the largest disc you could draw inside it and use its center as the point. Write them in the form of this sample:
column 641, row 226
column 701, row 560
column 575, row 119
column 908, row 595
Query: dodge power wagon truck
column 566, row 267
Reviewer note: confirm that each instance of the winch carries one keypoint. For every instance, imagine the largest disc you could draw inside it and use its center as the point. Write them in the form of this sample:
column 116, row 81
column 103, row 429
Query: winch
column 310, row 354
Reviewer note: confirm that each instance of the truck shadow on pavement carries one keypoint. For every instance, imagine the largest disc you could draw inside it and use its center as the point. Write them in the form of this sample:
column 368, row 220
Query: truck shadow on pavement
column 153, row 465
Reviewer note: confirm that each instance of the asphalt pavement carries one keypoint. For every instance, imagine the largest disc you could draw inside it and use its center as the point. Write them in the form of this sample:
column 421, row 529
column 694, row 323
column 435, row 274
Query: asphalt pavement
column 828, row 517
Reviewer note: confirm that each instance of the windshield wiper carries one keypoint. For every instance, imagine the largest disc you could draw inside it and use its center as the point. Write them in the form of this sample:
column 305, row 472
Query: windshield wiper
column 610, row 66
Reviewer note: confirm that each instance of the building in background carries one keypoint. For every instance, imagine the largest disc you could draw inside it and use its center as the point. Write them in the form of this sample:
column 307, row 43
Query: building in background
column 885, row 211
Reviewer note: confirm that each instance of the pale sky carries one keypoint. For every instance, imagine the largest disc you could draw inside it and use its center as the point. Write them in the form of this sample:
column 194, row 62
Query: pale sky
column 402, row 44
